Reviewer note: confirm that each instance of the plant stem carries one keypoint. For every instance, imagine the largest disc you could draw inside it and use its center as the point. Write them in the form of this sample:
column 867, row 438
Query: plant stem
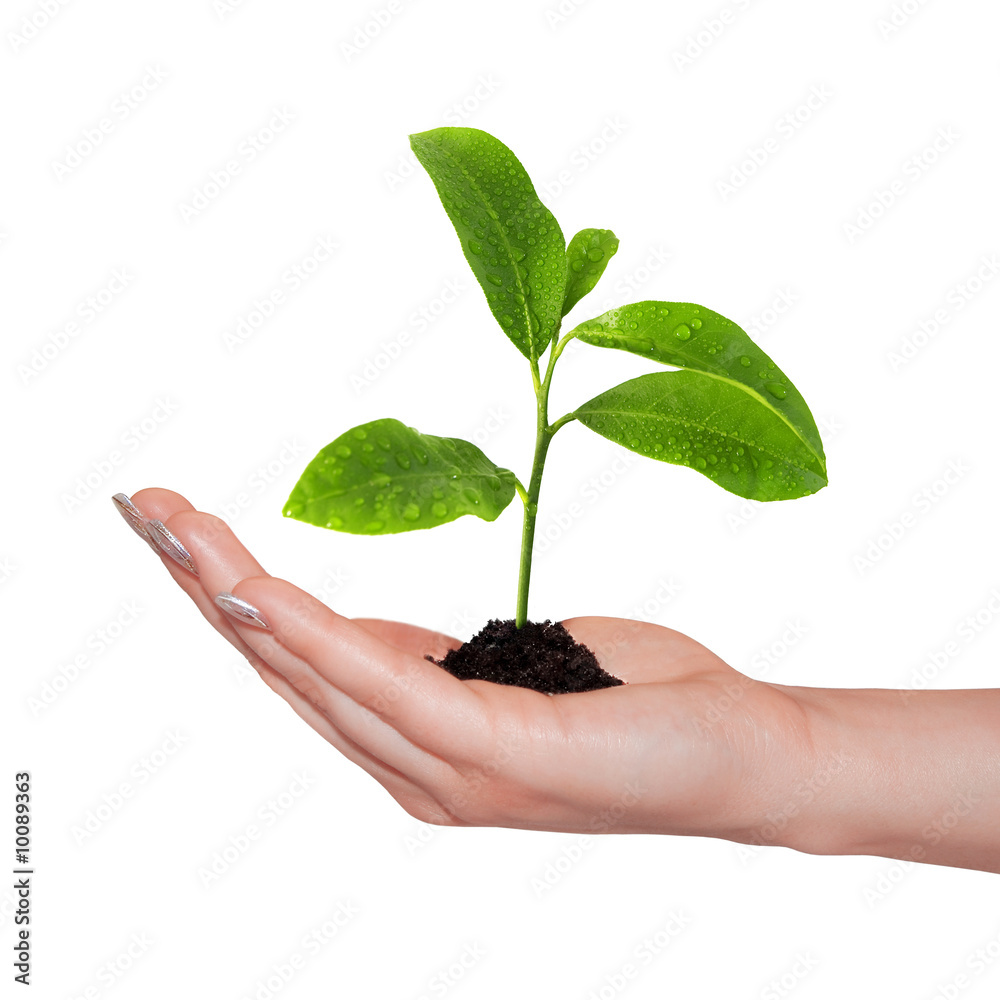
column 543, row 435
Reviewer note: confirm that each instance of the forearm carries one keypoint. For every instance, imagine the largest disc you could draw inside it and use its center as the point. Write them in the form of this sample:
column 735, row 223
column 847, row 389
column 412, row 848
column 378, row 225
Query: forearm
column 902, row 774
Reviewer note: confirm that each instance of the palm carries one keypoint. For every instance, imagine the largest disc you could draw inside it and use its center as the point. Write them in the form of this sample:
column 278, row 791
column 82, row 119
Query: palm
column 686, row 745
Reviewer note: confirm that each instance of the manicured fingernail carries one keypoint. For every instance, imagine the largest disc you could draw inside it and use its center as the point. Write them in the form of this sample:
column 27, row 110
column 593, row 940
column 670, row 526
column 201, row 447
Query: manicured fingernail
column 241, row 610
column 133, row 517
column 171, row 545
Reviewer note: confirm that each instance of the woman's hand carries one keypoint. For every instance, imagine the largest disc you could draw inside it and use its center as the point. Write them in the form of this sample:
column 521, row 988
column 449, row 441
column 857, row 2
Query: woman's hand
column 687, row 746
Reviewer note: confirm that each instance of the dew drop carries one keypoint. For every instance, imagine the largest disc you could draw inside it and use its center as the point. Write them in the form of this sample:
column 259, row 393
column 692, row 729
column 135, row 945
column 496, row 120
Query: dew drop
column 701, row 463
column 343, row 451
column 439, row 509
column 683, row 332
column 577, row 265
column 402, row 460
column 634, row 443
column 696, row 324
column 360, row 433
column 411, row 512
column 495, row 279
column 373, row 526
column 734, row 467
column 745, row 361
column 595, row 254
column 777, row 390
column 476, row 248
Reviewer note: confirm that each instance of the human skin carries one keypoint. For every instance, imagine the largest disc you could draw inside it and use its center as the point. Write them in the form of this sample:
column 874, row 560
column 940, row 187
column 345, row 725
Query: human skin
column 687, row 746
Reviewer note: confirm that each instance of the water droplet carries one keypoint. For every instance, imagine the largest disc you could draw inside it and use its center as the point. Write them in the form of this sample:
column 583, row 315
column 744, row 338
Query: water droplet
column 682, row 332
column 701, row 463
column 372, row 526
column 577, row 265
column 696, row 324
column 476, row 248
column 403, row 460
column 343, row 451
column 634, row 443
column 518, row 254
column 360, row 433
column 734, row 467
column 495, row 279
column 335, row 522
column 777, row 390
column 595, row 254
column 411, row 512
column 439, row 509
column 745, row 361
column 383, row 443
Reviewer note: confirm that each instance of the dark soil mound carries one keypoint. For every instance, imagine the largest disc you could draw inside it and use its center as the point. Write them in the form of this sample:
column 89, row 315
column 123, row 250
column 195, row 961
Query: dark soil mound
column 540, row 655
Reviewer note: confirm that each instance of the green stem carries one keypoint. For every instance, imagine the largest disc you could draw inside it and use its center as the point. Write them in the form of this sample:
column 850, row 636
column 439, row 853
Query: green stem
column 543, row 435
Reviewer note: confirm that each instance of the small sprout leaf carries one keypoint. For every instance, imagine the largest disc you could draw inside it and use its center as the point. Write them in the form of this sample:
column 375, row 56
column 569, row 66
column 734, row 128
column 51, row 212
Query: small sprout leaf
column 510, row 239
column 736, row 438
column 588, row 254
column 404, row 481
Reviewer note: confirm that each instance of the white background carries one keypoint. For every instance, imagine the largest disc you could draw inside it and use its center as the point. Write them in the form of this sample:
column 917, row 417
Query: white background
column 861, row 585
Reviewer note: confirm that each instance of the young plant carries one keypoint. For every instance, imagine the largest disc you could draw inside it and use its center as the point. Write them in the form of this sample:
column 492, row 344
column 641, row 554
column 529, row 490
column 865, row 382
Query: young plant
column 725, row 410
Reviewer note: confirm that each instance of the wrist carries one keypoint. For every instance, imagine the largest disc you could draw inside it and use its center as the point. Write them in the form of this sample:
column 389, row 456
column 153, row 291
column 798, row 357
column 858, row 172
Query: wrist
column 903, row 774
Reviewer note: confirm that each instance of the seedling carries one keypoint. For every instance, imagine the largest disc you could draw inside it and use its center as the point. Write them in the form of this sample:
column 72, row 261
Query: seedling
column 724, row 409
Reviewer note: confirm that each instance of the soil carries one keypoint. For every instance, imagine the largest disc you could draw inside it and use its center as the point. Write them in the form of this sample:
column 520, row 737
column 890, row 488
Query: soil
column 540, row 655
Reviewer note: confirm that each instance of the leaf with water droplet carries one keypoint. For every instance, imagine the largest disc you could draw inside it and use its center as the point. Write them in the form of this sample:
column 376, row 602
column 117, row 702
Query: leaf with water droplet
column 350, row 490
column 489, row 198
column 716, row 347
column 709, row 414
column 588, row 254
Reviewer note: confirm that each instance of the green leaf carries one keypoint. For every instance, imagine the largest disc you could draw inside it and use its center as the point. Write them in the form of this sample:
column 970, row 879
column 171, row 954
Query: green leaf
column 736, row 438
column 510, row 239
column 588, row 254
column 383, row 477
column 689, row 336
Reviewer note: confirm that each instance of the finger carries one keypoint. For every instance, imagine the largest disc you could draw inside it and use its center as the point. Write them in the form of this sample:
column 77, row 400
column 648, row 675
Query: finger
column 424, row 703
column 410, row 638
column 222, row 561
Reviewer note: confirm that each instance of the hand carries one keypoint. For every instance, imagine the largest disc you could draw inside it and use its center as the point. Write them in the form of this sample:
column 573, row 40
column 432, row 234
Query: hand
column 688, row 745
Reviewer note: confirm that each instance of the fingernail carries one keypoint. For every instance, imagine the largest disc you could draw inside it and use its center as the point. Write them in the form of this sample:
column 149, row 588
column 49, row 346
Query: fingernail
column 241, row 610
column 171, row 545
column 133, row 517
